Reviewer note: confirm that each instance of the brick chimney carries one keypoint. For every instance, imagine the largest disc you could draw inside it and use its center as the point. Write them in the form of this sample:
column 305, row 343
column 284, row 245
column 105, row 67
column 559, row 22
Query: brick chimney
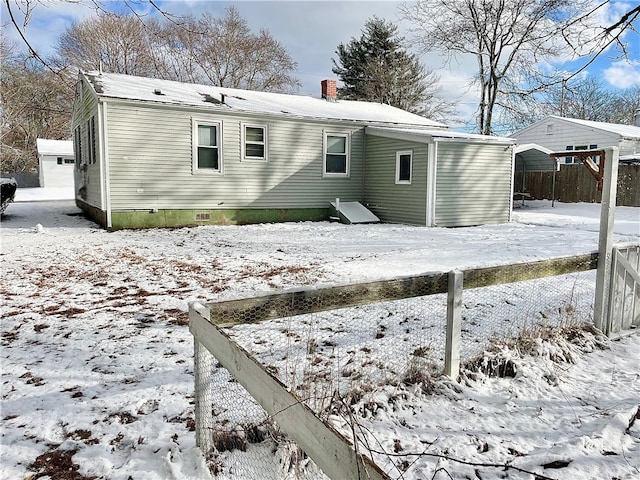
column 329, row 90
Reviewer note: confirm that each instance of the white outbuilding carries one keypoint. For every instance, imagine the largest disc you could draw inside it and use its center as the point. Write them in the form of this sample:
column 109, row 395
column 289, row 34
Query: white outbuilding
column 55, row 162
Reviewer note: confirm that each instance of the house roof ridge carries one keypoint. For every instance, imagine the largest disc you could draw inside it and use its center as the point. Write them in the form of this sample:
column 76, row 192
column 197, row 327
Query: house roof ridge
column 619, row 128
column 116, row 85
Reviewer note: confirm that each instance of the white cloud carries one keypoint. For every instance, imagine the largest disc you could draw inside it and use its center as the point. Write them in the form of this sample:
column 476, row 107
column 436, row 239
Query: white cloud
column 623, row 74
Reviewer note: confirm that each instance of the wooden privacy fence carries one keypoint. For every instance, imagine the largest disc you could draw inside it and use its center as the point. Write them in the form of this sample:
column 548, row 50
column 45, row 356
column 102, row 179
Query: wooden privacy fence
column 575, row 184
column 336, row 455
column 624, row 296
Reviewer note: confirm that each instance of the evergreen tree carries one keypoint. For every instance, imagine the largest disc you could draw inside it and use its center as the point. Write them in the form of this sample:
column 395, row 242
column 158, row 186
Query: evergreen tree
column 377, row 68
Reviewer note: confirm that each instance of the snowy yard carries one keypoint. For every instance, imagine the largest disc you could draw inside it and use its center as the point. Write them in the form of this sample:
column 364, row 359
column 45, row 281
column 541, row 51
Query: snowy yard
column 97, row 365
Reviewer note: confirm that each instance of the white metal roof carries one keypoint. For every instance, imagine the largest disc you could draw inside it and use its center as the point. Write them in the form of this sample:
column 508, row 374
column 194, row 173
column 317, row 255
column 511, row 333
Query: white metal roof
column 533, row 157
column 426, row 135
column 56, row 148
column 119, row 86
column 532, row 146
column 620, row 129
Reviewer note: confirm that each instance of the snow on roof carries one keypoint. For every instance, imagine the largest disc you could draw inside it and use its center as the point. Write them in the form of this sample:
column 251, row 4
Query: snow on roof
column 623, row 130
column 54, row 147
column 427, row 135
column 532, row 146
column 112, row 85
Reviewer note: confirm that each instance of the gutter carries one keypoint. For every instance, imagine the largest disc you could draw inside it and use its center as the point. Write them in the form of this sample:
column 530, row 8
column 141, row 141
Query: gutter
column 106, row 188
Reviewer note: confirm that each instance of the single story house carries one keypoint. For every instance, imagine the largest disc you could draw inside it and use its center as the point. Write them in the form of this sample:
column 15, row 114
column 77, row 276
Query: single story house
column 560, row 134
column 55, row 163
column 155, row 152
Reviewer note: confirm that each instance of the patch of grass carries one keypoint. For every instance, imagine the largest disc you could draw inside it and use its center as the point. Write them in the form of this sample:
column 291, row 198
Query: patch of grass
column 56, row 464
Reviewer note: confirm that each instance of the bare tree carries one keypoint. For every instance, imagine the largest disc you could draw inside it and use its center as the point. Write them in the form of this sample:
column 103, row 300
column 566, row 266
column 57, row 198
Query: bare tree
column 583, row 97
column 597, row 38
column 589, row 98
column 25, row 9
column 208, row 49
column 509, row 38
column 110, row 41
column 35, row 104
column 225, row 52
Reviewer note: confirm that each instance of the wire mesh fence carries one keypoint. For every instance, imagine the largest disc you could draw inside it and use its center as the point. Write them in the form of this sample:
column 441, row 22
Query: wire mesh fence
column 239, row 438
column 330, row 347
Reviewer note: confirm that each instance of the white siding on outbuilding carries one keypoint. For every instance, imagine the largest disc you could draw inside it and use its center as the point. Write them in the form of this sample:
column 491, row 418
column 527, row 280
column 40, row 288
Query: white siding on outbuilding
column 56, row 163
column 558, row 133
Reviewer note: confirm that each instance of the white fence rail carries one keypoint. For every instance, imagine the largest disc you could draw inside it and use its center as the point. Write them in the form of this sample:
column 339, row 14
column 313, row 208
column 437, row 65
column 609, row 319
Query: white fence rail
column 479, row 304
column 624, row 296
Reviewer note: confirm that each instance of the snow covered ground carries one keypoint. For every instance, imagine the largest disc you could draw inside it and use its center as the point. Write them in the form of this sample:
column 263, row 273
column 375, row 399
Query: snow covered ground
column 96, row 358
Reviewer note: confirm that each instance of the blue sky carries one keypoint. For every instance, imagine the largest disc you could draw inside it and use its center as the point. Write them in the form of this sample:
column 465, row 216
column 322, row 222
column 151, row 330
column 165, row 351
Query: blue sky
column 311, row 31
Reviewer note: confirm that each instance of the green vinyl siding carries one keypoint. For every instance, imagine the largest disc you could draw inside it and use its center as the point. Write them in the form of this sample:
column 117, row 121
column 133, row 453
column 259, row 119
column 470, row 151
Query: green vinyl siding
column 151, row 163
column 87, row 179
column 391, row 202
column 473, row 184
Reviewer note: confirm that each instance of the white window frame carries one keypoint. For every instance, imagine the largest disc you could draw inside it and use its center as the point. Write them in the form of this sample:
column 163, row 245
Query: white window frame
column 78, row 146
column 568, row 160
column 91, row 137
column 243, row 135
column 398, row 155
column 195, row 123
column 347, row 146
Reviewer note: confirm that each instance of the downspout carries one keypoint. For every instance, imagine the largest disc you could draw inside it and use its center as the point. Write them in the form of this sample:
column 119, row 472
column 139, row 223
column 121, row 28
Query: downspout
column 524, row 181
column 106, row 185
column 553, row 183
column 513, row 179
column 364, row 164
column 41, row 170
column 432, row 164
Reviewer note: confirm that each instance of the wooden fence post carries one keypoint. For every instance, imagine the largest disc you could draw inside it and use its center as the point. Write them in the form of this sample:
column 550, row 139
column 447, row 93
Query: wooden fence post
column 605, row 241
column 203, row 373
column 454, row 321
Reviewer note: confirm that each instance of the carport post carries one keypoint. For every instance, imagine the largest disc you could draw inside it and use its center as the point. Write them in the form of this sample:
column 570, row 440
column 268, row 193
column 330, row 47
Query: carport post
column 605, row 241
column 553, row 184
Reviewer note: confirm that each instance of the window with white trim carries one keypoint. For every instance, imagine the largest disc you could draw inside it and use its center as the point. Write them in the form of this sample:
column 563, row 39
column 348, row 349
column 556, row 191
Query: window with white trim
column 335, row 161
column 404, row 166
column 568, row 159
column 581, row 147
column 78, row 146
column 91, row 133
column 207, row 151
column 596, row 159
column 254, row 142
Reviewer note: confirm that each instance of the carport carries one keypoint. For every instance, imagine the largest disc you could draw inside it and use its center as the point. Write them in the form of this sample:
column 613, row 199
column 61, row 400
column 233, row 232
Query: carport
column 529, row 158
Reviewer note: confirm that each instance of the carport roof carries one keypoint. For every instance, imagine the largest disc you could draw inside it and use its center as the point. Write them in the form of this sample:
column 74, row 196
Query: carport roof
column 429, row 135
column 534, row 158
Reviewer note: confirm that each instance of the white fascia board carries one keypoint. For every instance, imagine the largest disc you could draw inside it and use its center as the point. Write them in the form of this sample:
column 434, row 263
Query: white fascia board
column 487, row 141
column 532, row 146
column 387, row 132
column 428, row 136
